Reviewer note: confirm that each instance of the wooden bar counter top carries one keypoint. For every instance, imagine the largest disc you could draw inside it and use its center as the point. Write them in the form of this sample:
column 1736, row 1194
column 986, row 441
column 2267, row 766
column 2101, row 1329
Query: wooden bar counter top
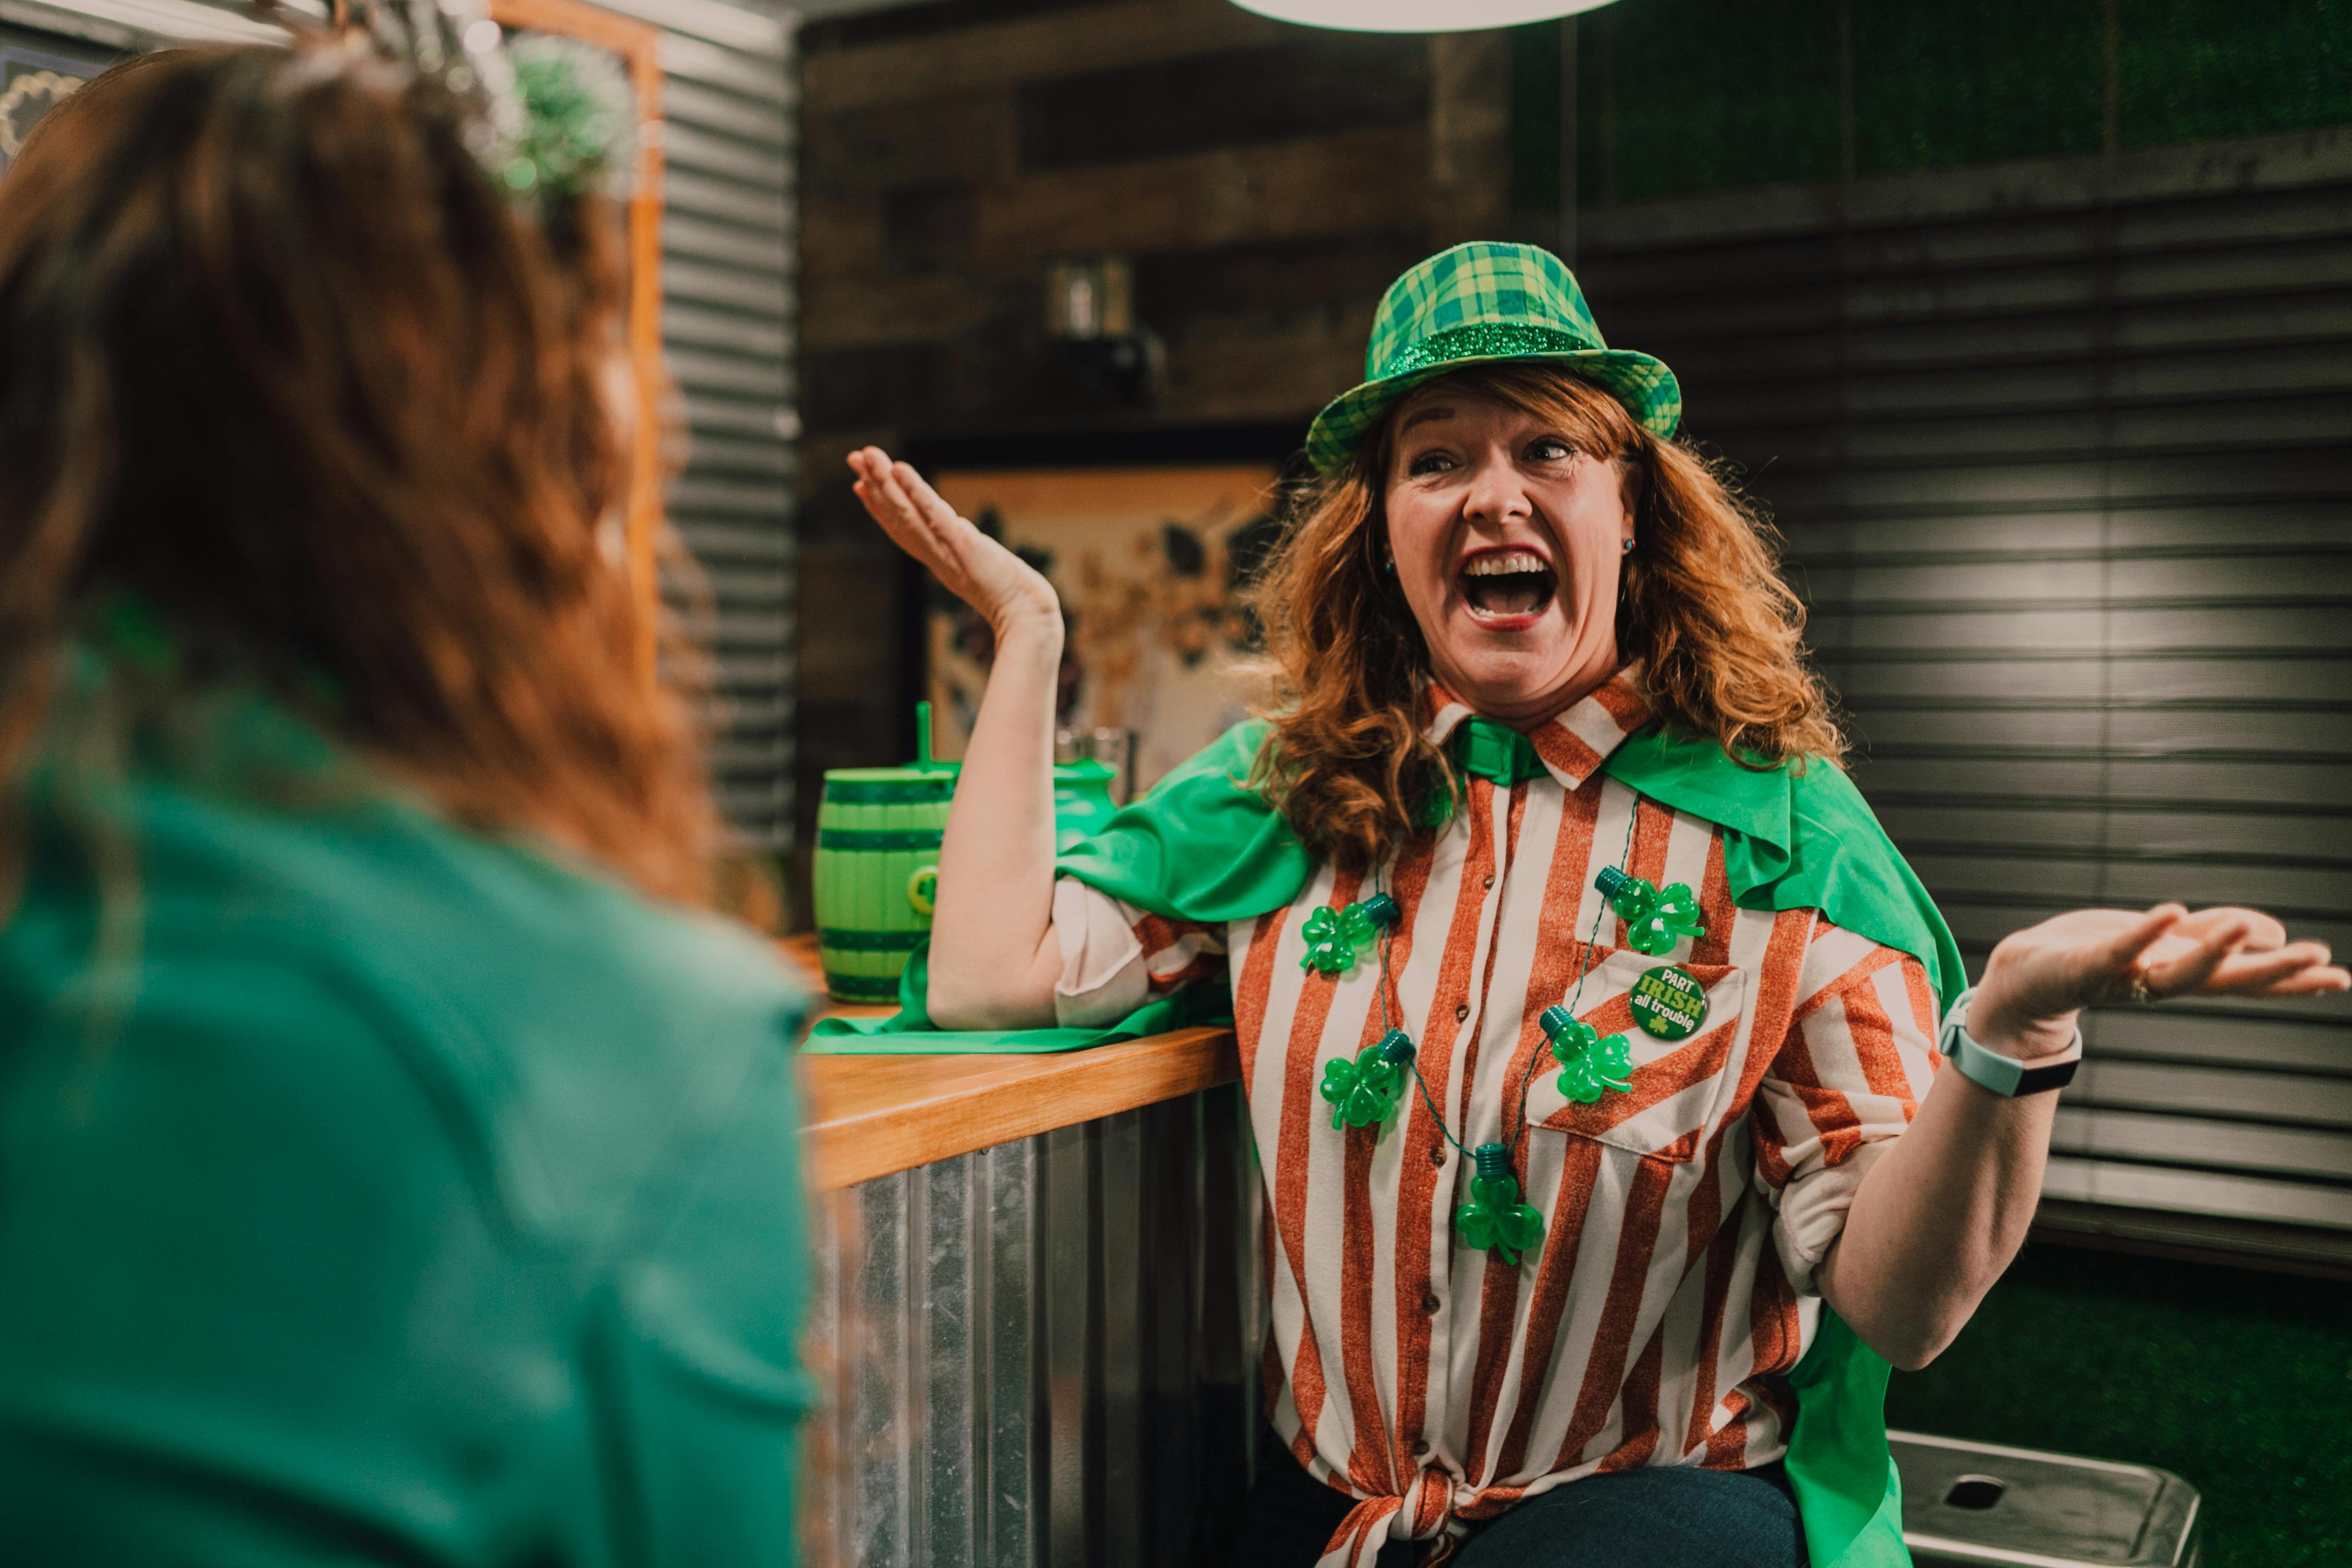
column 872, row 1115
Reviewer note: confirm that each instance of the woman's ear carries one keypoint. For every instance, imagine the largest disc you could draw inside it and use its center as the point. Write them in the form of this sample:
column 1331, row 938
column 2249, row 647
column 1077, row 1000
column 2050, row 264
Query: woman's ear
column 1634, row 481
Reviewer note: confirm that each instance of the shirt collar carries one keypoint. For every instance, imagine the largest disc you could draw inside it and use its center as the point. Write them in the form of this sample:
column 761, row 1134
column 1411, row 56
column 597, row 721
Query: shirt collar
column 1573, row 743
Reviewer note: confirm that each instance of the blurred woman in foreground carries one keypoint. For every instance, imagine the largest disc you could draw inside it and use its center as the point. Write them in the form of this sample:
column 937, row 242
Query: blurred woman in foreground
column 393, row 1168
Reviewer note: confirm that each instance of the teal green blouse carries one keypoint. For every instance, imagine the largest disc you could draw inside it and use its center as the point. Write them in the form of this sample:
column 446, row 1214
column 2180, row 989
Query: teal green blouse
column 371, row 1192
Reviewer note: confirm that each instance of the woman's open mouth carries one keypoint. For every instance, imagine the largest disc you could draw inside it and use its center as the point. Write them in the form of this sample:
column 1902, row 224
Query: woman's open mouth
column 1508, row 585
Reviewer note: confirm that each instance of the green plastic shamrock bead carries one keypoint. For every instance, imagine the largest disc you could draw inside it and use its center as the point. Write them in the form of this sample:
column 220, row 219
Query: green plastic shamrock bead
column 1579, row 1082
column 1612, row 1058
column 1328, row 947
column 1655, row 918
column 1495, row 1219
column 1333, row 934
column 1589, row 1063
column 1609, row 1066
column 1366, row 1089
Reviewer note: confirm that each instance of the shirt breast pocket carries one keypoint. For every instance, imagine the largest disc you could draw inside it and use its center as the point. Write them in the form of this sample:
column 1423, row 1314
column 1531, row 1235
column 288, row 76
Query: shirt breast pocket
column 1675, row 1084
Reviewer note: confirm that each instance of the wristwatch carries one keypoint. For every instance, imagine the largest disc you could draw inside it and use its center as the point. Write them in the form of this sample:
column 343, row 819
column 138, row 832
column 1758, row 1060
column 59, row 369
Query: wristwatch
column 2004, row 1075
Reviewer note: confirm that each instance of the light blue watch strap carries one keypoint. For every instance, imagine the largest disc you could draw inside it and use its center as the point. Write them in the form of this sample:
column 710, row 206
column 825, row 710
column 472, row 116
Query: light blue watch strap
column 2004, row 1075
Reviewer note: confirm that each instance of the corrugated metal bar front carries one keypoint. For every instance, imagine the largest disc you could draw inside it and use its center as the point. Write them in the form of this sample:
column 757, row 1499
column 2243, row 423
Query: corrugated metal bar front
column 2064, row 455
column 1046, row 1352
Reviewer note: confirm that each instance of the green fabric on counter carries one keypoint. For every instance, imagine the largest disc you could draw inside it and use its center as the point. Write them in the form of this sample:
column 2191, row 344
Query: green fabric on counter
column 909, row 1031
column 1204, row 846
column 386, row 1195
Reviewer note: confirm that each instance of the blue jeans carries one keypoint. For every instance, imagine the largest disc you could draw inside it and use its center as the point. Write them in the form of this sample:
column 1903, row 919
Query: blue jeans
column 1635, row 1519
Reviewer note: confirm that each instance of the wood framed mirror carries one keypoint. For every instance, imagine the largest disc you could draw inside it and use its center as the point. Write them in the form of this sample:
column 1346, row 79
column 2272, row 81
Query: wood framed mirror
column 638, row 44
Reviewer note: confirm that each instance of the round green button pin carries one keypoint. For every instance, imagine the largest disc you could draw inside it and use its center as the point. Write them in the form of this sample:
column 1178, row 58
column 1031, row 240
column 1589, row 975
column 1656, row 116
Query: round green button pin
column 1668, row 1003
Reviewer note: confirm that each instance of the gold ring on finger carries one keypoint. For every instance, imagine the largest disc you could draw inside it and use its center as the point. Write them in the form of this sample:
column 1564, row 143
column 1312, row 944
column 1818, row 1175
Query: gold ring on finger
column 2140, row 994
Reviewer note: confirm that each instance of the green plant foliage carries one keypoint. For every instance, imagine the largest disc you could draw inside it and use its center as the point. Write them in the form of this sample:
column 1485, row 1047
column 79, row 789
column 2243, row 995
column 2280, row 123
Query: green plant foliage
column 1675, row 97
column 2194, row 70
column 2237, row 1380
column 1706, row 94
column 1975, row 81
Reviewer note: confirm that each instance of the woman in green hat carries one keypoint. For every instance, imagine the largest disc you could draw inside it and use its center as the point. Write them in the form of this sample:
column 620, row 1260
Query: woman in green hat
column 1586, row 1017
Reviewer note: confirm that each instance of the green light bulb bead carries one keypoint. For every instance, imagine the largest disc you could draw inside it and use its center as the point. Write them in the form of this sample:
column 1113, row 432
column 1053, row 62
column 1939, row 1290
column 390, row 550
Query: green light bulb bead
column 1495, row 1219
column 1570, row 1036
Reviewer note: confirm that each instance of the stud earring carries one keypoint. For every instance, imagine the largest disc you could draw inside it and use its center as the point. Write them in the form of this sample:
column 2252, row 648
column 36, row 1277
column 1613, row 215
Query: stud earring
column 1629, row 547
column 1388, row 567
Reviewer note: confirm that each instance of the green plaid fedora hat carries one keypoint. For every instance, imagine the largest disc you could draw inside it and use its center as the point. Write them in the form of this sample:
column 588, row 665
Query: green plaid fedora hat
column 1479, row 304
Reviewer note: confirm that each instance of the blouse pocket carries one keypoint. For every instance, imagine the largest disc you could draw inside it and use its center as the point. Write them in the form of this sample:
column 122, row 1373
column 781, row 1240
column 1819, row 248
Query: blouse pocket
column 1675, row 1084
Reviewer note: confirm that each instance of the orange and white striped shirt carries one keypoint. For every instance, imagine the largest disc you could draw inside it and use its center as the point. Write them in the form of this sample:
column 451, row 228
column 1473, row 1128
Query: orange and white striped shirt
column 1683, row 1218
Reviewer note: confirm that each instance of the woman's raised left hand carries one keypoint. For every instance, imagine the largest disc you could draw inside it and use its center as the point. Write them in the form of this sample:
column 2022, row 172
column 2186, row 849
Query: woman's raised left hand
column 2040, row 977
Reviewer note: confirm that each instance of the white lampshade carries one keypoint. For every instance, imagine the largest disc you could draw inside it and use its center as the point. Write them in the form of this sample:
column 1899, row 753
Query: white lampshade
column 1417, row 15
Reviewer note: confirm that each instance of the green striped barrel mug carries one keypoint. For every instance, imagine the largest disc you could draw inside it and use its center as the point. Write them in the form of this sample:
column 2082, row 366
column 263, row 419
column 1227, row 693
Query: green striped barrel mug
column 877, row 863
column 878, row 871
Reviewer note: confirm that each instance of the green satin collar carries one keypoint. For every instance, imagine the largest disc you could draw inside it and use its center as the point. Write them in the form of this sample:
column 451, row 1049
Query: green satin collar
column 1495, row 751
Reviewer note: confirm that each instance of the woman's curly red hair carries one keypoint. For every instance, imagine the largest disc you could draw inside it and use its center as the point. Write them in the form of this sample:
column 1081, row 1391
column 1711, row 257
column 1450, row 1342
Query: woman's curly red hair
column 1702, row 608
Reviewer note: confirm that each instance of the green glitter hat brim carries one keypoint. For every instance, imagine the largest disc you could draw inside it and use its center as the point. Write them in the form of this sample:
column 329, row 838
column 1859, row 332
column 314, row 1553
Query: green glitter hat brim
column 1641, row 382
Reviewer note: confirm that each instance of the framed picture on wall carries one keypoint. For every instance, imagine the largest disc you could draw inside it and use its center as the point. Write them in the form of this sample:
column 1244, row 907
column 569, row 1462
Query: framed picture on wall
column 31, row 84
column 1151, row 563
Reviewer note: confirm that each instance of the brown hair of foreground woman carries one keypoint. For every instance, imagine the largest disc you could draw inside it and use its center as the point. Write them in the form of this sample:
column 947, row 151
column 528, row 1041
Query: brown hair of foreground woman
column 1717, row 633
column 277, row 358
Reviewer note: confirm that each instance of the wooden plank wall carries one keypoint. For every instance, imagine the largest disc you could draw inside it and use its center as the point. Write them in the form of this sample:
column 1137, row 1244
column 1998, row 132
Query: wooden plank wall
column 1268, row 182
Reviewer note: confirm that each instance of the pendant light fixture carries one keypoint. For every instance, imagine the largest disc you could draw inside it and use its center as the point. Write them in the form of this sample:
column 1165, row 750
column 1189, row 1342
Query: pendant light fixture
column 1417, row 15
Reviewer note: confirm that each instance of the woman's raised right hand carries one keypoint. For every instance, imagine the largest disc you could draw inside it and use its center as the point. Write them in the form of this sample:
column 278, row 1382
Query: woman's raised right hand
column 976, row 569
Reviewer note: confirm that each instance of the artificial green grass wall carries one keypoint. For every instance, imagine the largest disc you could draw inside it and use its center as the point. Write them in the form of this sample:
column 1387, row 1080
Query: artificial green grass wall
column 1680, row 96
column 2238, row 1380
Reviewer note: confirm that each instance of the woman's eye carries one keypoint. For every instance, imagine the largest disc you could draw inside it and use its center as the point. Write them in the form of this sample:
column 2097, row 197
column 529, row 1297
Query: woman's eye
column 1551, row 449
column 1430, row 462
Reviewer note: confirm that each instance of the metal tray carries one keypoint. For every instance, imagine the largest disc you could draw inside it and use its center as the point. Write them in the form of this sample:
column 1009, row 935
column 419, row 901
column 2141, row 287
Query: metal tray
column 1968, row 1505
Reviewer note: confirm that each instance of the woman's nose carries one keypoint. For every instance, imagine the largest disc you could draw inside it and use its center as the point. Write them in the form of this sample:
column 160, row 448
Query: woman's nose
column 1497, row 493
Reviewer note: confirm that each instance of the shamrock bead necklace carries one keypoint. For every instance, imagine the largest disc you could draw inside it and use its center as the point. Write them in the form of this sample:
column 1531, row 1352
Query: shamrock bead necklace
column 1365, row 1091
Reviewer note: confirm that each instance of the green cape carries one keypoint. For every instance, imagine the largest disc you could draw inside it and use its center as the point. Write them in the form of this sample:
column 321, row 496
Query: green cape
column 1203, row 845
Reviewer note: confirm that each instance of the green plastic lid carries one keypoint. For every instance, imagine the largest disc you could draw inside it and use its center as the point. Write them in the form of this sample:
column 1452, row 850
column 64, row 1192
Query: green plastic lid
column 942, row 773
column 925, row 769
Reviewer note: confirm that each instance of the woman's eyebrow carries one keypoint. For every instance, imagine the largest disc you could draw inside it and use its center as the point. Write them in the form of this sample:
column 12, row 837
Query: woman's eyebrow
column 1423, row 416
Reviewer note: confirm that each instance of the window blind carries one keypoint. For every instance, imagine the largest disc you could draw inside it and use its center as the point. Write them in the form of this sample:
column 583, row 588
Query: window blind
column 2062, row 454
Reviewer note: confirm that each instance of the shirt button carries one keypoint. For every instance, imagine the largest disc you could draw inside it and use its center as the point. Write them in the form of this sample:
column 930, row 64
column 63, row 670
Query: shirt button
column 1437, row 1154
column 1462, row 1012
column 1490, row 879
column 1421, row 1448
column 1429, row 1302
